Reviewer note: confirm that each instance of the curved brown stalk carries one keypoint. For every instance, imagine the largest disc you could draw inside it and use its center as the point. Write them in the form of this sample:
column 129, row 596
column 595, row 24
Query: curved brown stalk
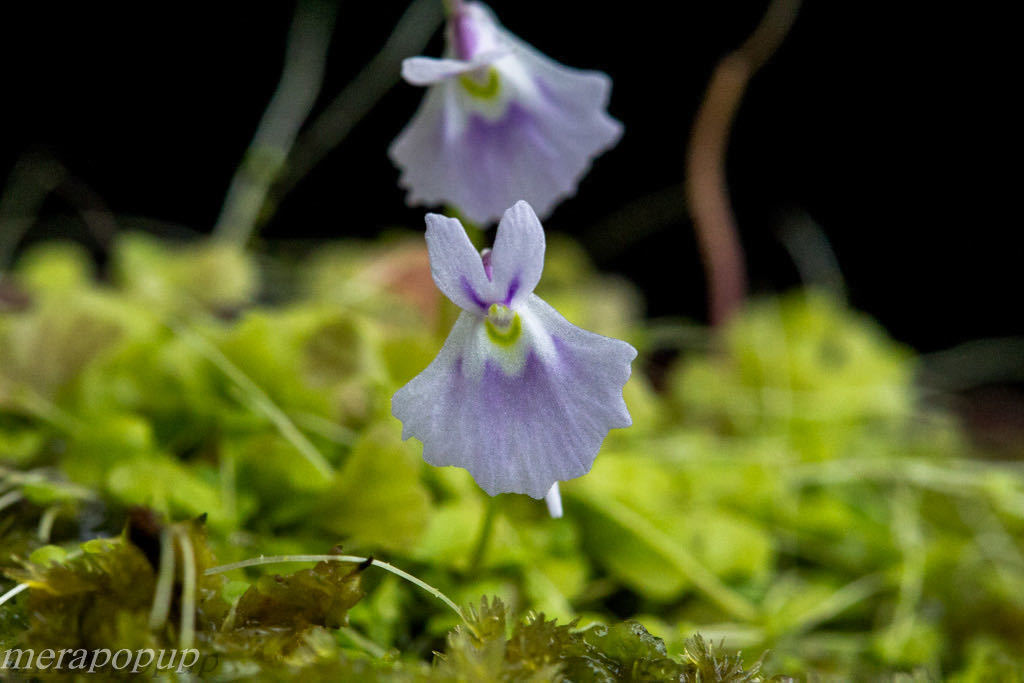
column 707, row 192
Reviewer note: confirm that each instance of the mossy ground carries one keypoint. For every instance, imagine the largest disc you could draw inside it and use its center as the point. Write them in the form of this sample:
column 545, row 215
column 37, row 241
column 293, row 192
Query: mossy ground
column 783, row 489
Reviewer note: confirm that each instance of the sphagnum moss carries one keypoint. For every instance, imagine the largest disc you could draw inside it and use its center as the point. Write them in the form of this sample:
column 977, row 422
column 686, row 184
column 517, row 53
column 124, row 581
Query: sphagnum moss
column 793, row 466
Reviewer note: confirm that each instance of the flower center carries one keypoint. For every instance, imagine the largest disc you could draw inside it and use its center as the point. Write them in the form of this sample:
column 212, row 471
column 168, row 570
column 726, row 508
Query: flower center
column 481, row 83
column 503, row 325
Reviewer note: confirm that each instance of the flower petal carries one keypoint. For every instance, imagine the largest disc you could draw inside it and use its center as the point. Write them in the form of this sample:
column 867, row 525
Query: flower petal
column 590, row 89
column 483, row 165
column 422, row 145
column 517, row 259
column 519, row 432
column 428, row 70
column 595, row 367
column 534, row 139
column 455, row 264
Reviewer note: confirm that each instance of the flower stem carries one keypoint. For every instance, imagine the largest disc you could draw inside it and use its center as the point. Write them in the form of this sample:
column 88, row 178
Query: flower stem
column 301, row 79
column 353, row 559
column 11, row 593
column 258, row 399
column 31, row 181
column 187, row 630
column 677, row 555
column 486, row 531
column 706, row 187
column 452, row 6
column 162, row 595
column 356, row 99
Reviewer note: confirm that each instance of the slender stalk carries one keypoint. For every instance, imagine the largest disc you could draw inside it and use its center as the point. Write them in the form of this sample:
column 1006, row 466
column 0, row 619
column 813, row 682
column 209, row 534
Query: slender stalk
column 452, row 6
column 813, row 256
column 23, row 478
column 328, row 429
column 43, row 409
column 484, row 538
column 10, row 498
column 353, row 559
column 301, row 80
column 13, row 592
column 364, row 643
column 24, row 586
column 706, row 187
column 409, row 38
column 675, row 554
column 842, row 599
column 187, row 631
column 31, row 181
column 161, row 608
column 46, row 521
column 906, row 526
column 228, row 482
column 258, row 398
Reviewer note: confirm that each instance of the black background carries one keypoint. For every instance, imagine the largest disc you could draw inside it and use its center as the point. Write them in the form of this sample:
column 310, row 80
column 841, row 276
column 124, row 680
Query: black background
column 889, row 126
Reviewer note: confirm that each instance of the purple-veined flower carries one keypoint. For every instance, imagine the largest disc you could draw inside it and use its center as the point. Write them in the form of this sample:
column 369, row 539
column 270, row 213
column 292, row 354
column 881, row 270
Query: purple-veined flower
column 518, row 395
column 500, row 122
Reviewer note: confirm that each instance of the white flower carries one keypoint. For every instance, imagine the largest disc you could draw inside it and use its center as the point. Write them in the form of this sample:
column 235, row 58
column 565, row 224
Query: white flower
column 500, row 122
column 518, row 395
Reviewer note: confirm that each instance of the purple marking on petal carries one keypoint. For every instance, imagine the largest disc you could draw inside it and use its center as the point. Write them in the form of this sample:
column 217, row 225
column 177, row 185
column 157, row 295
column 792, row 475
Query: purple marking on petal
column 491, row 133
column 485, row 256
column 537, row 150
column 519, row 432
column 498, row 161
column 513, row 287
column 471, row 293
column 464, row 38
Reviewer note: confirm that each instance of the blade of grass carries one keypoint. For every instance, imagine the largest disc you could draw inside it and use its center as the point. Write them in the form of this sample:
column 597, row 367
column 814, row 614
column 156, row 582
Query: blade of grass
column 257, row 398
column 353, row 559
column 688, row 565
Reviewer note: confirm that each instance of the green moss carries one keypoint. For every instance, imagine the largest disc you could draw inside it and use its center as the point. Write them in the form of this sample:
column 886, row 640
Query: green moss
column 781, row 489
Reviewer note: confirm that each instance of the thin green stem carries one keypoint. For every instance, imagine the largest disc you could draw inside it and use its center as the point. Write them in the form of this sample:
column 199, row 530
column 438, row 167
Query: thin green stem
column 10, row 498
column 353, row 559
column 187, row 630
column 451, row 6
column 409, row 38
column 24, row 586
column 328, row 429
column 363, row 642
column 906, row 526
column 301, row 80
column 678, row 556
column 19, row 478
column 46, row 521
column 161, row 608
column 484, row 537
column 258, row 399
column 228, row 482
column 31, row 181
column 842, row 599
column 32, row 403
column 14, row 591
column 960, row 478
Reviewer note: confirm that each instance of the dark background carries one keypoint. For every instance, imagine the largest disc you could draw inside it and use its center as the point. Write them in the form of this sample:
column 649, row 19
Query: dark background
column 888, row 127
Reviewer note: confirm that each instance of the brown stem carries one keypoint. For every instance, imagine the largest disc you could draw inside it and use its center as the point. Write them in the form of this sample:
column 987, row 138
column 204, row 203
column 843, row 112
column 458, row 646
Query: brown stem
column 706, row 187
